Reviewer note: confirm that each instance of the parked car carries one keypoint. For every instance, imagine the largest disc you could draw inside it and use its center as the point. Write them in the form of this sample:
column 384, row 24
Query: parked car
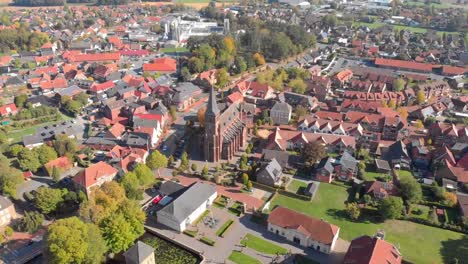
column 157, row 199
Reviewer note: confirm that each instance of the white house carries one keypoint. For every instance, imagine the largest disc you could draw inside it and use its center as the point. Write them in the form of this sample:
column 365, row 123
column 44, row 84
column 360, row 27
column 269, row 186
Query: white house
column 187, row 207
column 303, row 229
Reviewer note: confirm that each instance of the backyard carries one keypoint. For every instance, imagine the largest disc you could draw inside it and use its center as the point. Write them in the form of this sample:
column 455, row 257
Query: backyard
column 414, row 240
column 296, row 186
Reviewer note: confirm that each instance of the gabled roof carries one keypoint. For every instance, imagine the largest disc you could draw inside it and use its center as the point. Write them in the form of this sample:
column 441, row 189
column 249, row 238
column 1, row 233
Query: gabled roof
column 372, row 250
column 162, row 64
column 89, row 176
column 315, row 229
column 138, row 253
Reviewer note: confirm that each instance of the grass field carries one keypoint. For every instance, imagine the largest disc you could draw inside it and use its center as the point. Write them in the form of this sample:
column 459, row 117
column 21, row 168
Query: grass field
column 436, row 5
column 261, row 245
column 295, row 185
column 241, row 258
column 173, row 50
column 414, row 240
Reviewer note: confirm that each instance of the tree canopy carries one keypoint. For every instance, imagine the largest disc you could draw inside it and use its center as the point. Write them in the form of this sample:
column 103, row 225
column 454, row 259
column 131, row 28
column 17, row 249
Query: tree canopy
column 391, row 207
column 312, row 152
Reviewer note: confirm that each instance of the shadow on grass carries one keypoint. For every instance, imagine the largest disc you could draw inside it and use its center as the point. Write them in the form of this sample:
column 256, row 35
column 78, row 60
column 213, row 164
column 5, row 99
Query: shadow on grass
column 455, row 251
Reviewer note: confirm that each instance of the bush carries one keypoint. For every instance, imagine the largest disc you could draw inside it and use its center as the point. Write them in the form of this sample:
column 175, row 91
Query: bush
column 224, row 228
column 207, row 241
column 190, row 233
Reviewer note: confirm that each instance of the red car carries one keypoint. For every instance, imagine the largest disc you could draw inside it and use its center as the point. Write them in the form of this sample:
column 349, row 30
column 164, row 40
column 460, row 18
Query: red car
column 157, row 199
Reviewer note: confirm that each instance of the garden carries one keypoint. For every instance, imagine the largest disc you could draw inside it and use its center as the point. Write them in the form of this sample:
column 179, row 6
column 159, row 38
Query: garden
column 262, row 245
column 168, row 253
column 415, row 240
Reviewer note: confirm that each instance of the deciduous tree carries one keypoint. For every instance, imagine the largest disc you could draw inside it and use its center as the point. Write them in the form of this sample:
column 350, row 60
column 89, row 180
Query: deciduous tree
column 391, row 207
column 312, row 152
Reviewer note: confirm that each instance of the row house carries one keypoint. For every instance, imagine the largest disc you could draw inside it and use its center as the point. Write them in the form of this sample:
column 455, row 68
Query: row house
column 324, row 126
column 449, row 134
column 293, row 140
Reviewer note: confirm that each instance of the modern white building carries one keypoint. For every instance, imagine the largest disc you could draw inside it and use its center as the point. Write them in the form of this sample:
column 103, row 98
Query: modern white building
column 303, row 230
column 187, row 207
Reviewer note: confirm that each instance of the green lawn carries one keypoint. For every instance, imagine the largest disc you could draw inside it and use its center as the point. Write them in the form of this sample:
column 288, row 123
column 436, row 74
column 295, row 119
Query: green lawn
column 295, row 185
column 436, row 5
column 405, row 174
column 420, row 211
column 261, row 245
column 414, row 240
column 172, row 50
column 371, row 175
column 241, row 258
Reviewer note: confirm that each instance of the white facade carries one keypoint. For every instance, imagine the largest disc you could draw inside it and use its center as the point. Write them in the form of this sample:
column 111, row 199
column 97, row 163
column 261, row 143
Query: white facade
column 169, row 221
column 300, row 238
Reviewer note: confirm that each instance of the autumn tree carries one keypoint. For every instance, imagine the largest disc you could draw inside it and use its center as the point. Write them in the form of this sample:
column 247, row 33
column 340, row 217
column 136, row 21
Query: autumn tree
column 298, row 86
column 420, row 97
column 312, row 152
column 398, row 84
column 201, row 115
column 259, row 59
column 230, row 45
column 222, row 78
column 418, row 124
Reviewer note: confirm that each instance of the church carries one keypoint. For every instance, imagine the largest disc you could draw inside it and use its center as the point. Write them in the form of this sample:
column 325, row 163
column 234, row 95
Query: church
column 225, row 132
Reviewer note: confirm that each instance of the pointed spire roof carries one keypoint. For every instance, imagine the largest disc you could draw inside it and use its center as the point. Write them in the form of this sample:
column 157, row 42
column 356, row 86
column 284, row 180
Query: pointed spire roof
column 212, row 106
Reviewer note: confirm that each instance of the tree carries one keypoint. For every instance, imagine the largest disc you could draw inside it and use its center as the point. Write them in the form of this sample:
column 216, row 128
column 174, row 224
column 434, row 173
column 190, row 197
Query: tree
column 398, row 84
column 201, row 115
column 205, row 170
column 418, row 124
column 131, row 185
column 330, row 20
column 450, row 199
column 29, row 160
column 230, row 45
column 300, row 112
column 144, row 174
column 20, row 100
column 123, row 226
column 170, row 160
column 156, row 161
column 249, row 185
column 103, row 202
column 64, row 145
column 392, row 104
column 173, row 112
column 402, row 112
column 194, row 167
column 222, row 78
column 438, row 192
column 259, row 59
column 31, row 222
column 48, row 200
column 195, row 65
column 391, row 207
column 70, row 240
column 353, row 211
column 298, row 86
column 240, row 65
column 420, row 97
column 312, row 152
column 9, row 177
column 184, row 161
column 367, row 199
column 45, row 154
column 55, row 174
column 410, row 190
column 8, row 231
column 15, row 149
column 185, row 74
column 245, row 178
column 73, row 107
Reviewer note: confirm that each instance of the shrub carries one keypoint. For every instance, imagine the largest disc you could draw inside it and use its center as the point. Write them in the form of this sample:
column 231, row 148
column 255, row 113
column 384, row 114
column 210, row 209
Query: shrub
column 224, row 228
column 190, row 233
column 207, row 241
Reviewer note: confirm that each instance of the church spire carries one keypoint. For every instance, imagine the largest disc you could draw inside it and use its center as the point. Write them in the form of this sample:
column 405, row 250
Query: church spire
column 212, row 106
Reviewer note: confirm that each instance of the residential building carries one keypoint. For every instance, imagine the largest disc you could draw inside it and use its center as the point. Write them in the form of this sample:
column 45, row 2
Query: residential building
column 303, row 230
column 94, row 176
column 372, row 250
column 270, row 174
column 7, row 211
column 280, row 113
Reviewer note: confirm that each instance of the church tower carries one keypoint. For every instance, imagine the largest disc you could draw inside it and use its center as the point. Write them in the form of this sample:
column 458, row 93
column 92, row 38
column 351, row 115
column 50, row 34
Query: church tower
column 212, row 139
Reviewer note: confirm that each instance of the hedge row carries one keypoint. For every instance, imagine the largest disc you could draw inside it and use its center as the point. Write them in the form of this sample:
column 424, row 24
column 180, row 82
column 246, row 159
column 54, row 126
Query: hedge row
column 446, row 226
column 224, row 228
column 207, row 241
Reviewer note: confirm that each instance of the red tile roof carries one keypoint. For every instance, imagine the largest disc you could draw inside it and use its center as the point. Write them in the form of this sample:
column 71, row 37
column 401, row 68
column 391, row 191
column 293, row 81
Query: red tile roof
column 344, row 75
column 149, row 116
column 115, row 56
column 8, row 109
column 371, row 250
column 140, row 52
column 89, row 176
column 100, row 87
column 315, row 229
column 116, row 130
column 54, row 84
column 451, row 70
column 401, row 64
column 161, row 65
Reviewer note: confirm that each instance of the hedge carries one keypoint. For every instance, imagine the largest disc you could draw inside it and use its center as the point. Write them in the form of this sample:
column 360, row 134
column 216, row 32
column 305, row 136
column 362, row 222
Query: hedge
column 207, row 241
column 190, row 233
column 454, row 228
column 281, row 191
column 224, row 228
